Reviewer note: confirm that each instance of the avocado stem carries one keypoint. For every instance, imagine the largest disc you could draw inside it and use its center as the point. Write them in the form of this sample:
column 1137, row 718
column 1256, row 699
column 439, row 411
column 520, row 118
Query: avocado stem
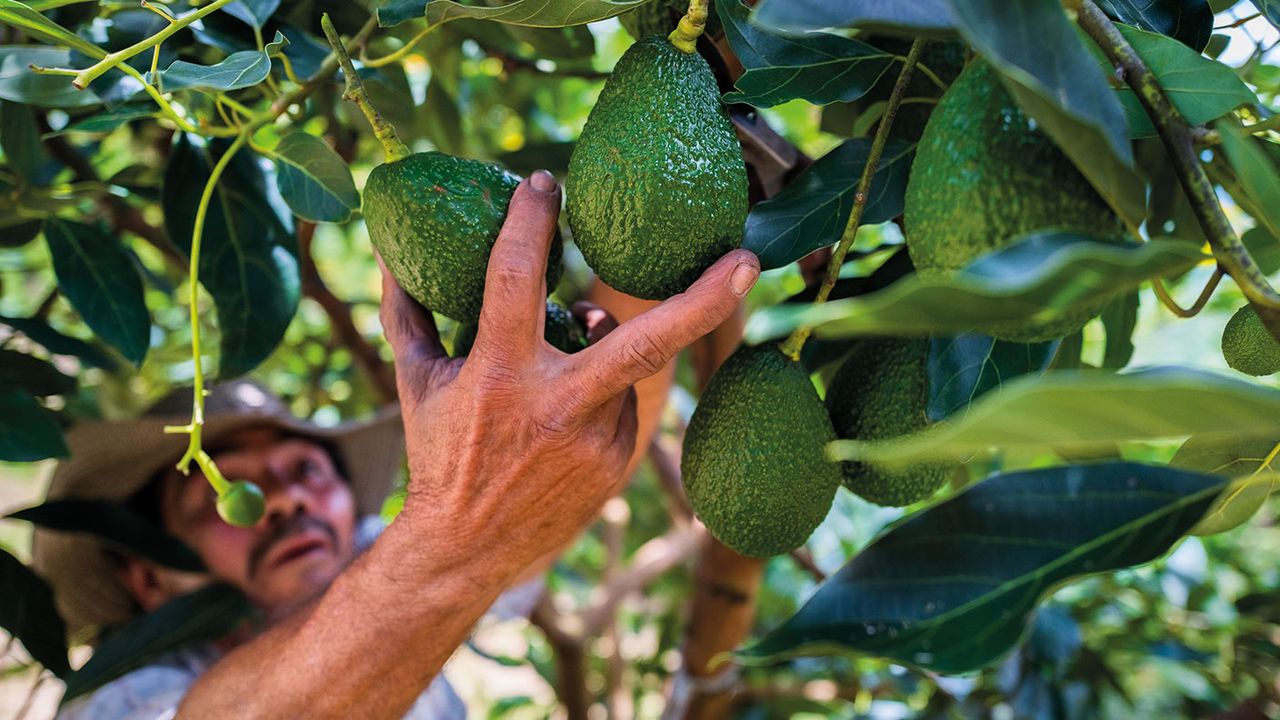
column 1179, row 142
column 355, row 92
column 792, row 346
column 685, row 36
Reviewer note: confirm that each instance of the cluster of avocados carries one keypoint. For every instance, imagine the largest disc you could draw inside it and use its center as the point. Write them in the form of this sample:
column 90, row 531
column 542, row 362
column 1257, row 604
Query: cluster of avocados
column 657, row 191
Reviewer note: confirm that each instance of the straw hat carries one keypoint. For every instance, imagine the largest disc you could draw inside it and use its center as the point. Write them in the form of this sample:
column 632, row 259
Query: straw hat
column 113, row 460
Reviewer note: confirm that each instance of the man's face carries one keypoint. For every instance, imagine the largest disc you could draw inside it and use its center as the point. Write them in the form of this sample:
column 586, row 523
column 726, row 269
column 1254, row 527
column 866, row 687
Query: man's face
column 304, row 538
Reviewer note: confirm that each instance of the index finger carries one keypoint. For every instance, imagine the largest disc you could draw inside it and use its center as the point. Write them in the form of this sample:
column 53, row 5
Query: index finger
column 515, row 282
column 644, row 345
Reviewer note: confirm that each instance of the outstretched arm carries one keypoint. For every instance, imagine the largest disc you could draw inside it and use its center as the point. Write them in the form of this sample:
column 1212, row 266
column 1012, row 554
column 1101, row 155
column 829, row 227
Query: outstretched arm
column 511, row 454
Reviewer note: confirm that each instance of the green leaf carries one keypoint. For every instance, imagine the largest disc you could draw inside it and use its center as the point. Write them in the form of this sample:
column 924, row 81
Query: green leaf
column 59, row 344
column 1084, row 410
column 33, row 374
column 818, row 67
column 919, row 17
column 35, row 25
column 1270, row 10
column 1119, row 319
column 255, row 13
column 249, row 255
column 107, row 120
column 533, row 13
column 812, row 211
column 98, row 276
column 20, row 140
column 1046, row 67
column 115, row 524
column 200, row 616
column 28, row 432
column 965, row 367
column 951, row 588
column 1188, row 21
column 19, row 84
column 314, row 180
column 27, row 612
column 1255, row 171
column 1246, row 460
column 235, row 72
column 1264, row 248
column 1201, row 89
column 1039, row 278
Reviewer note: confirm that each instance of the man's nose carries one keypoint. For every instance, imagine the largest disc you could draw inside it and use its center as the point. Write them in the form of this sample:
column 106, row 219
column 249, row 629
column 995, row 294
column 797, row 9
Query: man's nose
column 285, row 498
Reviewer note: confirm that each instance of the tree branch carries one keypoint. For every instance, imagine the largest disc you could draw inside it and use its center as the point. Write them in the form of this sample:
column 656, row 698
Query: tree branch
column 380, row 374
column 1179, row 142
column 650, row 561
column 571, row 659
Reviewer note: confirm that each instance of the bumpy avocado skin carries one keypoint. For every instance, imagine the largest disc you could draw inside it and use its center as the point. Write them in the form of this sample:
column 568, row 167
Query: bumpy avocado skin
column 881, row 391
column 984, row 175
column 562, row 331
column 434, row 218
column 657, row 188
column 753, row 461
column 1248, row 346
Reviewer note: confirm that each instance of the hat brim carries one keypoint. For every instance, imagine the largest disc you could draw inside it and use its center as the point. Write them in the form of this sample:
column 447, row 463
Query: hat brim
column 113, row 460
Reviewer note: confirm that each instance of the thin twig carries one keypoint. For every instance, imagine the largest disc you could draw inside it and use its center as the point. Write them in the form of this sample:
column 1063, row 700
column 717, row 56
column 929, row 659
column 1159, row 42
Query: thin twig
column 1167, row 300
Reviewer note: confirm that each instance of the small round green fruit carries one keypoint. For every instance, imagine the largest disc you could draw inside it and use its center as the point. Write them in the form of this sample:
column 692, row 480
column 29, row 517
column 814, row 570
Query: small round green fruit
column 242, row 504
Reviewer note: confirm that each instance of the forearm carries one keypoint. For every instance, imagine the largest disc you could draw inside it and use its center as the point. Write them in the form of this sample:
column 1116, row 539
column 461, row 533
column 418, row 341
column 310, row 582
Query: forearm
column 366, row 648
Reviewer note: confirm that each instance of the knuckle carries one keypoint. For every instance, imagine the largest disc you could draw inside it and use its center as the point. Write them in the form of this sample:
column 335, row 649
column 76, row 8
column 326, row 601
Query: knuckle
column 648, row 352
column 506, row 276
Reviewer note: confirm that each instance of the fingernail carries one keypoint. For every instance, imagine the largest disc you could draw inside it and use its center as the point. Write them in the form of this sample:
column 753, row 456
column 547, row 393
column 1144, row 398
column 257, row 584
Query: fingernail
column 743, row 277
column 542, row 181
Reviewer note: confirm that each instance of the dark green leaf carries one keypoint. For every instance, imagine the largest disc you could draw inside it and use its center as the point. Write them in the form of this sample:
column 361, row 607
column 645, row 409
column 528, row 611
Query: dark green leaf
column 443, row 125
column 28, row 432
column 27, row 612
column 200, row 616
column 812, row 211
column 20, row 140
column 19, row 84
column 249, row 255
column 115, row 524
column 35, row 25
column 97, row 275
column 55, row 342
column 237, row 71
column 108, row 120
column 314, row 180
column 1246, row 460
column 33, row 374
column 893, row 16
column 1046, row 67
column 1264, row 248
column 1201, row 89
column 1255, row 171
column 305, row 52
column 951, row 588
column 255, row 13
column 818, row 67
column 1119, row 319
column 964, row 367
column 1087, row 409
column 17, row 230
column 534, row 13
column 1270, row 10
column 1189, row 21
column 398, row 11
column 1037, row 279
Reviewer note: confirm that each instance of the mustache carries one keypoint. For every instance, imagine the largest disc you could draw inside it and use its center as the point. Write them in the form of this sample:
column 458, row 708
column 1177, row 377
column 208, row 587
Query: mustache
column 296, row 524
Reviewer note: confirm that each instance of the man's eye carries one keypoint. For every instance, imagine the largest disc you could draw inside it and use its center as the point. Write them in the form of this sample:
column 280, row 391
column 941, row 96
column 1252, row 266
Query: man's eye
column 308, row 468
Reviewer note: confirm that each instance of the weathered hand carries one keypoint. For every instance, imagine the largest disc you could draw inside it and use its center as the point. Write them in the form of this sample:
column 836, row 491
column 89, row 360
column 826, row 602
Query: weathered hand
column 515, row 449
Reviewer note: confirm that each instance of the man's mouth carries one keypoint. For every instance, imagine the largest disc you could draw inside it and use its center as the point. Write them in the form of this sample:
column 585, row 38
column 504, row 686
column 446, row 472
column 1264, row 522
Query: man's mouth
column 295, row 547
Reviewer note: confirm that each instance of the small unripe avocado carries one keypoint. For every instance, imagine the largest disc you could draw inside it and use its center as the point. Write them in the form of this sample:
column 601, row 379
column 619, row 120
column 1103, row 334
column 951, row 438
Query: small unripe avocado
column 242, row 504
column 562, row 331
column 881, row 391
column 1248, row 346
column 434, row 218
column 754, row 466
column 657, row 188
column 985, row 174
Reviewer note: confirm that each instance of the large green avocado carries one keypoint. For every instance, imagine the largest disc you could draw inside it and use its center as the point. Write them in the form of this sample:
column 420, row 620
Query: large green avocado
column 434, row 218
column 657, row 188
column 881, row 391
column 754, row 466
column 983, row 175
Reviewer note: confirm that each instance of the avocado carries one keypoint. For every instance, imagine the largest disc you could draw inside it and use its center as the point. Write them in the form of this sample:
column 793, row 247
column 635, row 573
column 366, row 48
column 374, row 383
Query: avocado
column 985, row 174
column 562, row 331
column 657, row 188
column 1248, row 346
column 881, row 391
column 434, row 218
column 753, row 464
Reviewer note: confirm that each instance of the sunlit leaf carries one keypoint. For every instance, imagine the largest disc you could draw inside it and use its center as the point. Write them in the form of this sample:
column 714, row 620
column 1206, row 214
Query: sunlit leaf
column 1258, row 176
column 534, row 13
column 1247, row 460
column 314, row 180
column 36, row 25
column 235, row 72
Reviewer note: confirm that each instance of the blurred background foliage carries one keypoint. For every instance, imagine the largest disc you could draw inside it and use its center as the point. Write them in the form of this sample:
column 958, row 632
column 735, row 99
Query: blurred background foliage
column 1186, row 637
